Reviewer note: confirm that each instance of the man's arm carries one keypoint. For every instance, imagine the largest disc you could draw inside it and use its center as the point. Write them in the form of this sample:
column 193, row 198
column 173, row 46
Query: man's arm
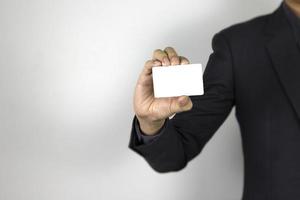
column 185, row 135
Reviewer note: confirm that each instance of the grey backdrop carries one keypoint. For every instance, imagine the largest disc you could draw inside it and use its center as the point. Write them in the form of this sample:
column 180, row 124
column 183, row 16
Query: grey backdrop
column 67, row 76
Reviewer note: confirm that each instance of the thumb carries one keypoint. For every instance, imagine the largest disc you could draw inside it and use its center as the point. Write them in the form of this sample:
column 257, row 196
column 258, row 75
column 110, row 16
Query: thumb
column 183, row 103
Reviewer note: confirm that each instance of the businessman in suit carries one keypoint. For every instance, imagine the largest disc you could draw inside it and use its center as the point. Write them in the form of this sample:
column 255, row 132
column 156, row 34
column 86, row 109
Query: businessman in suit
column 255, row 66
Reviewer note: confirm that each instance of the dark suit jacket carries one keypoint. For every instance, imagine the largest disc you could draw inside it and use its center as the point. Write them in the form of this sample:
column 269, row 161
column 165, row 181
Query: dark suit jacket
column 255, row 66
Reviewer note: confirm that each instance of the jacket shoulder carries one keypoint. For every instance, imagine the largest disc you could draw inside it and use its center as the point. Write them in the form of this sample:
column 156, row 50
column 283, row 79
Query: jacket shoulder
column 246, row 29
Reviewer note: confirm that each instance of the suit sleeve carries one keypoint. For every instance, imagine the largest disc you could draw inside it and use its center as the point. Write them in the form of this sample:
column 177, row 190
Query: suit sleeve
column 185, row 135
column 146, row 139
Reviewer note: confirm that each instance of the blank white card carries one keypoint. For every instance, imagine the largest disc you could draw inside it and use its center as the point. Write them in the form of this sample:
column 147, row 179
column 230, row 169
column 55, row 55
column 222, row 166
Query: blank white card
column 177, row 80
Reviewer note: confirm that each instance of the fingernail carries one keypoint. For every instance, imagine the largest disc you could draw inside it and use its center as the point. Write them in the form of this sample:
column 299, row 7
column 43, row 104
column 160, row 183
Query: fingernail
column 183, row 101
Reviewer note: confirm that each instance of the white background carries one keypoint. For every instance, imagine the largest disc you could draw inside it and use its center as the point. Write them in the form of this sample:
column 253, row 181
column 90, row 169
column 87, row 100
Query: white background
column 67, row 76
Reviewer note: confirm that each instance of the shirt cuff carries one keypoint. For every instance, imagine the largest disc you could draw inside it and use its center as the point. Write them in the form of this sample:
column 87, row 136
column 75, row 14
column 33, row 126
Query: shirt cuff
column 146, row 139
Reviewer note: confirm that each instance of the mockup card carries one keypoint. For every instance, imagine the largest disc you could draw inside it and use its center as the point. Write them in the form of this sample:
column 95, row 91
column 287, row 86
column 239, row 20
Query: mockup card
column 177, row 80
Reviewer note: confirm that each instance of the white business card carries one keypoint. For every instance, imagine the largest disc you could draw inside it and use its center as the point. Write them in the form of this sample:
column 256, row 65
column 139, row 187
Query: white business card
column 177, row 80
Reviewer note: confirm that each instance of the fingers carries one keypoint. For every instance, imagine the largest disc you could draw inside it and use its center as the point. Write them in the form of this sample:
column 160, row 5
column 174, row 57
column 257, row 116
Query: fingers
column 162, row 56
column 169, row 56
column 172, row 55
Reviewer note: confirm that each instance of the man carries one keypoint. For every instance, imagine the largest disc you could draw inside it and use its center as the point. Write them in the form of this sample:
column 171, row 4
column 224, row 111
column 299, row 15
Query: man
column 255, row 66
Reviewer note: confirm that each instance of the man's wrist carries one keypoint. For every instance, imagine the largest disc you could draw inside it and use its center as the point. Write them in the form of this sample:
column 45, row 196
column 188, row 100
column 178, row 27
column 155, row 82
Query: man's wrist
column 150, row 128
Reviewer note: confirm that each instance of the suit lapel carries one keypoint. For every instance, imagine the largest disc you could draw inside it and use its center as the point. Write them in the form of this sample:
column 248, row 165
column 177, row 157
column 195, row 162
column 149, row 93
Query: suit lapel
column 285, row 56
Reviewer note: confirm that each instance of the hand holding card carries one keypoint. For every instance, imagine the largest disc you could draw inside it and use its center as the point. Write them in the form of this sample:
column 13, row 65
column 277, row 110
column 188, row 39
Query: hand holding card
column 167, row 75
